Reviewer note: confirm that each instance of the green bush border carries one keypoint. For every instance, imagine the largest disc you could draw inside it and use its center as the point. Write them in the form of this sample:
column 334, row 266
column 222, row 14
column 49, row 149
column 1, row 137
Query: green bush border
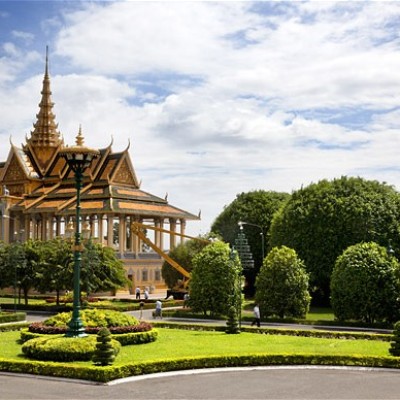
column 124, row 338
column 106, row 374
column 14, row 327
column 279, row 331
column 6, row 317
column 60, row 348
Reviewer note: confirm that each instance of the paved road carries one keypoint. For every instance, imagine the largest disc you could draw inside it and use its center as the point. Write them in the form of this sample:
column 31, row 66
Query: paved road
column 251, row 383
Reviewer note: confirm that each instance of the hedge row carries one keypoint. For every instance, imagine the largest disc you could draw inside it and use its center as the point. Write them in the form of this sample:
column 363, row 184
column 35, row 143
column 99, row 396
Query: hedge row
column 106, row 374
column 124, row 338
column 59, row 348
column 36, row 307
column 279, row 331
column 14, row 327
column 12, row 317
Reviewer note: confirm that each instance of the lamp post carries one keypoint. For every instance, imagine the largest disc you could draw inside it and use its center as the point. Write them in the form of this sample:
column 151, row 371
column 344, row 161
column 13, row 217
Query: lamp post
column 237, row 287
column 17, row 237
column 79, row 158
column 241, row 223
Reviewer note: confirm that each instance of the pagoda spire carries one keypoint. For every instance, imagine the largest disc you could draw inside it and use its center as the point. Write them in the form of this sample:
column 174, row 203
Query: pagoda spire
column 45, row 140
column 45, row 133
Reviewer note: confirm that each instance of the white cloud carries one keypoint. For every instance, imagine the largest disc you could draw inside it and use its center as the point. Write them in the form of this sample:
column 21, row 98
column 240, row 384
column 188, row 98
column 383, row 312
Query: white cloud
column 219, row 98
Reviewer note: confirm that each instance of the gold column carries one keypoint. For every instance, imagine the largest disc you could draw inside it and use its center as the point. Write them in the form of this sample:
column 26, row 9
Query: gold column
column 58, row 225
column 183, row 227
column 110, row 232
column 172, row 236
column 157, row 234
column 100, row 228
column 121, row 234
column 92, row 224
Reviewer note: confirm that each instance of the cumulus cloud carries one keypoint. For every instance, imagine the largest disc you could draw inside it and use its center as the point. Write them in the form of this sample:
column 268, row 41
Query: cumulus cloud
column 219, row 98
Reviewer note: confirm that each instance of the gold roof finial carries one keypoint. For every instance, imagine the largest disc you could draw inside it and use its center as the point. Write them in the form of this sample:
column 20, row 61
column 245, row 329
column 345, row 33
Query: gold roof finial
column 79, row 138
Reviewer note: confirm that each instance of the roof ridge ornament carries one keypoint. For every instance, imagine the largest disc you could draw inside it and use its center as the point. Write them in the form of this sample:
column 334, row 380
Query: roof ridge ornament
column 80, row 140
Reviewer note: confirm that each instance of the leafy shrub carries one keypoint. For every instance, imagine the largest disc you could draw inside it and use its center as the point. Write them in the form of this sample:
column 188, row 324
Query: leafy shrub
column 232, row 324
column 365, row 284
column 282, row 284
column 126, row 335
column 61, row 348
column 94, row 318
column 323, row 219
column 104, row 353
column 213, row 287
column 12, row 317
column 127, row 339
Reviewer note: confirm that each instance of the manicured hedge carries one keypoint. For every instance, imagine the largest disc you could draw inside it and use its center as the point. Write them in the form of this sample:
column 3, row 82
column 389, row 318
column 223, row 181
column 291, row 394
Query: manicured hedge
column 106, row 374
column 13, row 327
column 12, row 317
column 61, row 348
column 125, row 339
column 279, row 331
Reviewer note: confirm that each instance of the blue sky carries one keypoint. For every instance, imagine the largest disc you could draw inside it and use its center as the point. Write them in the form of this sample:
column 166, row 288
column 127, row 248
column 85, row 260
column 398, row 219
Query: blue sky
column 216, row 98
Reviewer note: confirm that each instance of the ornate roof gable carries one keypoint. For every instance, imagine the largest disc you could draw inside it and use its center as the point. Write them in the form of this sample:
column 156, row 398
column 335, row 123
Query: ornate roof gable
column 124, row 173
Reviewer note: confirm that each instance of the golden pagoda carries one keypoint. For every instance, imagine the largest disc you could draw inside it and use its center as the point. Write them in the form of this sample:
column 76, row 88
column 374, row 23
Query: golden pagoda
column 38, row 198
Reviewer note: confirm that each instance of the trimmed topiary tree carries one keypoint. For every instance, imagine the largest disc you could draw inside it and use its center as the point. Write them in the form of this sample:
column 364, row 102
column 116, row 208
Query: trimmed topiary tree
column 365, row 284
column 282, row 285
column 104, row 353
column 232, row 324
column 213, row 286
column 394, row 348
column 323, row 219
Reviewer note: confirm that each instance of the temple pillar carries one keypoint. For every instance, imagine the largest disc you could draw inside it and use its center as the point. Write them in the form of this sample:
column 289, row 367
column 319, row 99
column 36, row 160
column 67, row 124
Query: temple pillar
column 92, row 223
column 51, row 227
column 110, row 230
column 58, row 226
column 162, row 234
column 134, row 240
column 43, row 233
column 157, row 234
column 100, row 228
column 122, row 234
column 27, row 225
column 172, row 236
column 183, row 228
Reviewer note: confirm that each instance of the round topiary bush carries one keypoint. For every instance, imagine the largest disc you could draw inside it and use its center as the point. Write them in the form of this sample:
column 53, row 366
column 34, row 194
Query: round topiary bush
column 61, row 348
column 365, row 285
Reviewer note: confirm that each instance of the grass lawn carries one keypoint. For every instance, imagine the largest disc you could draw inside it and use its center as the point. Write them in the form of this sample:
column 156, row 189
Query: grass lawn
column 173, row 343
column 320, row 314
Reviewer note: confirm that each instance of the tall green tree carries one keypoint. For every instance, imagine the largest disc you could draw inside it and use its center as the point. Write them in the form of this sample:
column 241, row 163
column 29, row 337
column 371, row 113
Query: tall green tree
column 214, row 283
column 26, row 260
column 365, row 284
column 323, row 219
column 256, row 207
column 183, row 254
column 109, row 272
column 91, row 262
column 282, row 284
column 56, row 272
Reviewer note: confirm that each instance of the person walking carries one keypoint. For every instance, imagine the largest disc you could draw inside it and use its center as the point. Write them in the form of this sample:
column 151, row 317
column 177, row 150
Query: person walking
column 158, row 312
column 141, row 307
column 137, row 291
column 256, row 311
